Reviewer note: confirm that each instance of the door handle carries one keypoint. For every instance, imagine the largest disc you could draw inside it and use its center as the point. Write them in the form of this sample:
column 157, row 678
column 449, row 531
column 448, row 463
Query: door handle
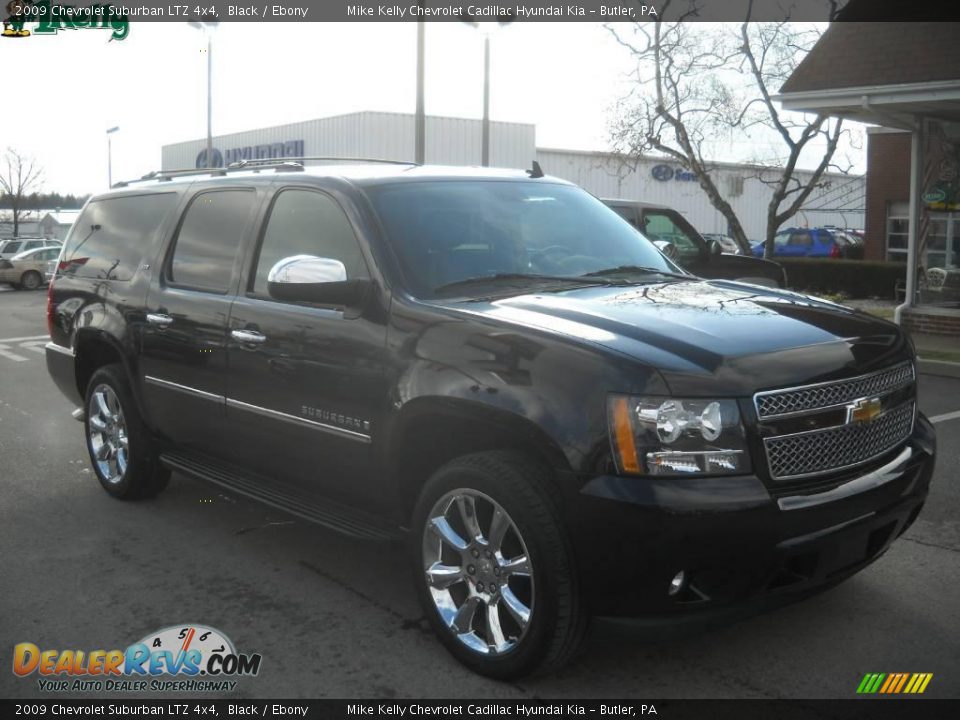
column 248, row 337
column 159, row 319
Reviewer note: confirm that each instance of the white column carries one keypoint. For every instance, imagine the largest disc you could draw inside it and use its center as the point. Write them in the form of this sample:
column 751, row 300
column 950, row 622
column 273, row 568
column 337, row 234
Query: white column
column 913, row 241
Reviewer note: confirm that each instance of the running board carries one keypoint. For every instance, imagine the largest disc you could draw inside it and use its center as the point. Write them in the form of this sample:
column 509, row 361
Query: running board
column 327, row 513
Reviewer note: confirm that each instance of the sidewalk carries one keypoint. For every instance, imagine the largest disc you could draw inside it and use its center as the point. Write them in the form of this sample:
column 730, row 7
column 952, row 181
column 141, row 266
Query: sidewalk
column 938, row 354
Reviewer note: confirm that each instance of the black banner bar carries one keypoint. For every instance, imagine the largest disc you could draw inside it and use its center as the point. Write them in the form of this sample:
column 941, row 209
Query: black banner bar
column 873, row 708
column 86, row 13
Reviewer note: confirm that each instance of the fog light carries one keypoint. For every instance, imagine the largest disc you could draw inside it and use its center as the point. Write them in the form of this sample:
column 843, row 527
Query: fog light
column 676, row 585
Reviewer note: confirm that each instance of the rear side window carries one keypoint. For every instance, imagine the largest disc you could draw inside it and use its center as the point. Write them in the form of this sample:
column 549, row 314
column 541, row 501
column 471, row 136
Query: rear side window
column 209, row 239
column 111, row 235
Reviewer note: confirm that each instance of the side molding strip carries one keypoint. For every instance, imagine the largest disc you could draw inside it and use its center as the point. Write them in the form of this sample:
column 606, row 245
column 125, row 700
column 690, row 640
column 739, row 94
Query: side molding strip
column 294, row 420
column 186, row 390
column 262, row 411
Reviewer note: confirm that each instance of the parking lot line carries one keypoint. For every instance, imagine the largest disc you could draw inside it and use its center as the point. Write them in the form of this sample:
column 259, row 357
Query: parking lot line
column 946, row 416
column 27, row 343
column 4, row 341
column 4, row 352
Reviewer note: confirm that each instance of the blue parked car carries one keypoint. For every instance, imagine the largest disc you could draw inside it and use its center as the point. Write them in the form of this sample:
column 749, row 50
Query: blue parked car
column 810, row 242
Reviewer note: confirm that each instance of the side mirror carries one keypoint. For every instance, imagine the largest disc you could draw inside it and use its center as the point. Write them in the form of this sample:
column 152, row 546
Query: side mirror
column 668, row 249
column 715, row 248
column 308, row 278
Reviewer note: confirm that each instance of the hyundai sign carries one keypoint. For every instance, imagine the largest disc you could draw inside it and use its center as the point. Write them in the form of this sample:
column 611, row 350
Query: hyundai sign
column 268, row 151
column 665, row 173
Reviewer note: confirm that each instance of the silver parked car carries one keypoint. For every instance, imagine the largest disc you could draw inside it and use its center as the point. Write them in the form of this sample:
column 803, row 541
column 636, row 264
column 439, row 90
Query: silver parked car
column 28, row 269
column 13, row 246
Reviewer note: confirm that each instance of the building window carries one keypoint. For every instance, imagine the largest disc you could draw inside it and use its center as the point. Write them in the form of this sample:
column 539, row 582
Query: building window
column 943, row 237
column 898, row 231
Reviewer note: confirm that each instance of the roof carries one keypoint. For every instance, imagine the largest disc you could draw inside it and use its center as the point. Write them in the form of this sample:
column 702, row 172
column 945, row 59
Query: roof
column 358, row 174
column 868, row 54
column 881, row 73
column 620, row 202
column 61, row 217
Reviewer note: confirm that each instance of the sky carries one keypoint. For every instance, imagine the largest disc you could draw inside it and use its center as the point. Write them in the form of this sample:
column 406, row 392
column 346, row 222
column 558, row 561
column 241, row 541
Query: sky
column 562, row 77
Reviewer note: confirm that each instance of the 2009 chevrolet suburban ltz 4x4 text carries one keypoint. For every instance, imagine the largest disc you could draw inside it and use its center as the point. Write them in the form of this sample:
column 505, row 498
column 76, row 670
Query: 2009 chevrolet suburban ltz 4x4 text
column 493, row 364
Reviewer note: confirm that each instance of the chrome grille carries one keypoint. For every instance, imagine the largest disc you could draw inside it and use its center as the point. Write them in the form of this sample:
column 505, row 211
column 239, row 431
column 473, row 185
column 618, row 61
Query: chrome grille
column 835, row 448
column 813, row 397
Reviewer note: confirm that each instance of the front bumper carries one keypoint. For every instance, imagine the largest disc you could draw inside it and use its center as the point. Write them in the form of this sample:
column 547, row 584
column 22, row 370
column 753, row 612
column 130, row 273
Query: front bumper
column 735, row 542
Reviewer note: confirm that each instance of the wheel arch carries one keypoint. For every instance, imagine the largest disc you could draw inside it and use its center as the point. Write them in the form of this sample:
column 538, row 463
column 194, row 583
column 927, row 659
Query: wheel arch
column 94, row 349
column 432, row 431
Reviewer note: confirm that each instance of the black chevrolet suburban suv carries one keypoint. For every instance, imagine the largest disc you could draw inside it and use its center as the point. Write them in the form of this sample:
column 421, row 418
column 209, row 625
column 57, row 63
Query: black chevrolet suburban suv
column 497, row 368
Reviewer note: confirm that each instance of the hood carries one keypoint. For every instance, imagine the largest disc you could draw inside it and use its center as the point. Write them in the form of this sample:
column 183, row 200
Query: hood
column 709, row 337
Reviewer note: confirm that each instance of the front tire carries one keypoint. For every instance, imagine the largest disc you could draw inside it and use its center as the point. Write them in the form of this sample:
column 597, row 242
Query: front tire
column 121, row 450
column 494, row 568
column 30, row 280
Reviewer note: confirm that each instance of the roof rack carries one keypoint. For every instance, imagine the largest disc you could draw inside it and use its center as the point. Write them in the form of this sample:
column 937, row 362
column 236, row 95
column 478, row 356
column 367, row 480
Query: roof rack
column 295, row 164
column 239, row 164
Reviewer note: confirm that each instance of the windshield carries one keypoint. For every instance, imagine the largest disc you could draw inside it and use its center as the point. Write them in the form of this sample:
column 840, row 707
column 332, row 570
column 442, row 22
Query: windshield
column 448, row 231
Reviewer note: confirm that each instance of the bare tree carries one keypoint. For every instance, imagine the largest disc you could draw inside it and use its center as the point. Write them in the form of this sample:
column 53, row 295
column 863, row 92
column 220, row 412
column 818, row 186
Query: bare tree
column 20, row 176
column 697, row 86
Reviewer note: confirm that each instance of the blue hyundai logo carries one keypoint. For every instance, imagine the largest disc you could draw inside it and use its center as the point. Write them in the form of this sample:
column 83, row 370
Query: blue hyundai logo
column 663, row 173
column 202, row 159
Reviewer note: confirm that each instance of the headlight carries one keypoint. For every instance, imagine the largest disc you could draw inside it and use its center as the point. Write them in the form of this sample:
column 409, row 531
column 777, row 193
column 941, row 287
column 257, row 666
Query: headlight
column 670, row 436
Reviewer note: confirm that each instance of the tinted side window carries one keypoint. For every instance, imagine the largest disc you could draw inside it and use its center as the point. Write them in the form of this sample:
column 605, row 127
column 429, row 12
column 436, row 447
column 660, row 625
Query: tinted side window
column 110, row 236
column 209, row 239
column 13, row 247
column 801, row 238
column 660, row 226
column 304, row 222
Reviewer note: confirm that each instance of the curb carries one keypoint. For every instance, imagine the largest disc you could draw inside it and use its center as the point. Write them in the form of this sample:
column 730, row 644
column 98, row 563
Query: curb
column 938, row 367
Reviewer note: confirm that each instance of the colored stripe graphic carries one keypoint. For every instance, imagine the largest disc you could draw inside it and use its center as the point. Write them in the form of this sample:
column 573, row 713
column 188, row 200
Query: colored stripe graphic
column 894, row 683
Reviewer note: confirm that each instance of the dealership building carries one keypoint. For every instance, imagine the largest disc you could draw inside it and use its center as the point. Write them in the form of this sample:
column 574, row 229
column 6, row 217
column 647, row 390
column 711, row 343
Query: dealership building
column 457, row 141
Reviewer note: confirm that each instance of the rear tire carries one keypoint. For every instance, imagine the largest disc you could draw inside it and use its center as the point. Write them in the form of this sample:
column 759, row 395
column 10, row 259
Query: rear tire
column 122, row 453
column 501, row 590
column 30, row 280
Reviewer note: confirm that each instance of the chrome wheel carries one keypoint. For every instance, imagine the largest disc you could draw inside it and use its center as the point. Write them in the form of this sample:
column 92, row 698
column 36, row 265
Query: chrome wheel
column 107, row 434
column 478, row 572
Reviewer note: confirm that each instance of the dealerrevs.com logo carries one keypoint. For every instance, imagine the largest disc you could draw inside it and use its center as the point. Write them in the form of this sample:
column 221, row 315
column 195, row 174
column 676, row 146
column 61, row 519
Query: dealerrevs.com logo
column 201, row 658
column 49, row 18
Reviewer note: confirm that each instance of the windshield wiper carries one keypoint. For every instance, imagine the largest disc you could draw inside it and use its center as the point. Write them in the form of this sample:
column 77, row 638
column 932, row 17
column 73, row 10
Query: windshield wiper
column 529, row 277
column 636, row 269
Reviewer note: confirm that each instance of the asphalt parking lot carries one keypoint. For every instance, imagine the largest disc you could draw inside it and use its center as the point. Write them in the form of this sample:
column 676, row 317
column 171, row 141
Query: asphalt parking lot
column 337, row 618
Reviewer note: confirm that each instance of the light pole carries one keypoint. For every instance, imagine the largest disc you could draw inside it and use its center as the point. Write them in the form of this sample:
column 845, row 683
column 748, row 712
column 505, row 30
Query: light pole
column 110, row 132
column 420, row 120
column 487, row 27
column 207, row 28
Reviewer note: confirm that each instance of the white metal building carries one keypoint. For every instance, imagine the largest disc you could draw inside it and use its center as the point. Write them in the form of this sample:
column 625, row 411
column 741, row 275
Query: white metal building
column 456, row 141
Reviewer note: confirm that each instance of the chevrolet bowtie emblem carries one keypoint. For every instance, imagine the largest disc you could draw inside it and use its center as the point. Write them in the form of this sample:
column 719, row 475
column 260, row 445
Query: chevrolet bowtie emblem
column 864, row 410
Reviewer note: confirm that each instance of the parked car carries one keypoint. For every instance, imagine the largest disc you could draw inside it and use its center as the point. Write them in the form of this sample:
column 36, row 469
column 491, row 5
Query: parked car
column 691, row 250
column 559, row 421
column 27, row 269
column 813, row 242
column 10, row 247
